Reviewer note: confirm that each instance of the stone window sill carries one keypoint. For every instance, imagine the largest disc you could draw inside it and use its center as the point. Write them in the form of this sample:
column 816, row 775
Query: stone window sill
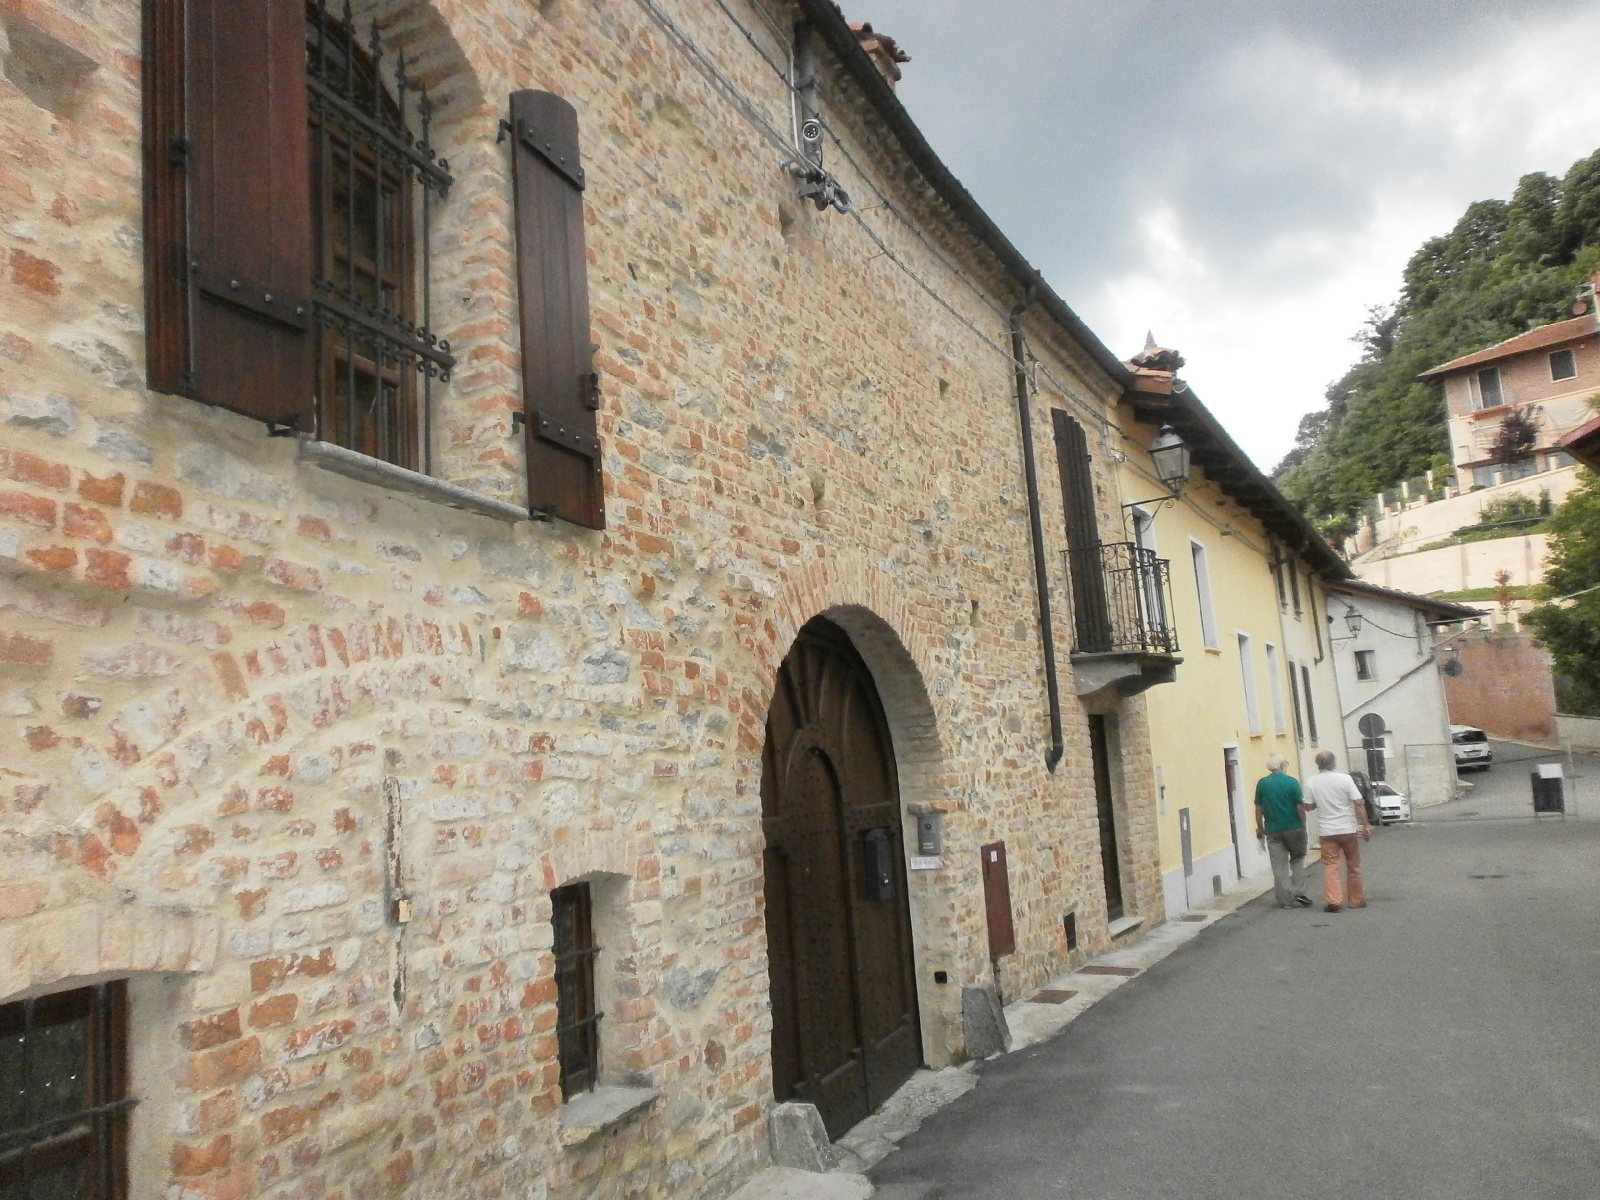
column 592, row 1113
column 365, row 469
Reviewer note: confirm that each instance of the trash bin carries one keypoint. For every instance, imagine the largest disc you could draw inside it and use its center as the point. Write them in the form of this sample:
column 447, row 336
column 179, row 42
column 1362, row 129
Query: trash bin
column 1548, row 796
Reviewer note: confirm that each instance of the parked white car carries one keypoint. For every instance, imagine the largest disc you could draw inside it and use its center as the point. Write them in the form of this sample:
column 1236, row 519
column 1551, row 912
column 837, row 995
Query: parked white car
column 1392, row 805
column 1472, row 748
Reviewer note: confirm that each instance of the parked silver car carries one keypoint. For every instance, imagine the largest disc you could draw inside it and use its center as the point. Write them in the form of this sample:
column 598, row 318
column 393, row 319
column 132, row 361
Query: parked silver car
column 1472, row 748
column 1392, row 805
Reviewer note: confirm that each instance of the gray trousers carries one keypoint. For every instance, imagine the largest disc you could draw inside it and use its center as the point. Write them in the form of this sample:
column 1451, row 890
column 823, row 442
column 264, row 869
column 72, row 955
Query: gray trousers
column 1287, row 849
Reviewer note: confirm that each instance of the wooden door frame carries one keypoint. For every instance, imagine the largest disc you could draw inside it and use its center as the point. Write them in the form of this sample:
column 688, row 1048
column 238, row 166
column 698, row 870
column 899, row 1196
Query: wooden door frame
column 1230, row 752
column 818, row 737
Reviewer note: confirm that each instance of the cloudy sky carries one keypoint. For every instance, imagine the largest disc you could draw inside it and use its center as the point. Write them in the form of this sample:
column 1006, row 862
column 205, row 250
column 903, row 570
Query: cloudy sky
column 1245, row 177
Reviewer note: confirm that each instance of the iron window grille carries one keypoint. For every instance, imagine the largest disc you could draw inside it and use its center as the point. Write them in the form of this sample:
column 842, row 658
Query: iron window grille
column 63, row 1095
column 372, row 187
column 577, row 1022
column 1124, row 602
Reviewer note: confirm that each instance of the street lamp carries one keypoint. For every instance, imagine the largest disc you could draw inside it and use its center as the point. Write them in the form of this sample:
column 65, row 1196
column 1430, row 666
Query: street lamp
column 1352, row 622
column 1170, row 455
column 1352, row 619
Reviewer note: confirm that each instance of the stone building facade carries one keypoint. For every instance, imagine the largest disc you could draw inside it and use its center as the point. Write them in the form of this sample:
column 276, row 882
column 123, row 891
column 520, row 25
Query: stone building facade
column 299, row 746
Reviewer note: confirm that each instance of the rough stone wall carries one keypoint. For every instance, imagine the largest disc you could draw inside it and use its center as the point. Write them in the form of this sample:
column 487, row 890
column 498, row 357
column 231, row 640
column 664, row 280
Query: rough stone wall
column 235, row 689
column 1505, row 687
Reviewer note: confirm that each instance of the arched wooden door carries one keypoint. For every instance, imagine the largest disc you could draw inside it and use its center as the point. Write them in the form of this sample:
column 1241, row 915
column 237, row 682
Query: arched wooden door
column 844, row 1001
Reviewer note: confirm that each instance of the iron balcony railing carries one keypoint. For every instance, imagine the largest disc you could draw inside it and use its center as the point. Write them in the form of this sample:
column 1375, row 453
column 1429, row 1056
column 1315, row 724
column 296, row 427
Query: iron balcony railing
column 1121, row 600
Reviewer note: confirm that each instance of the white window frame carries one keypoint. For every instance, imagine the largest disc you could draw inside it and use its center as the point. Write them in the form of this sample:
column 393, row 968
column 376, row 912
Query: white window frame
column 1367, row 668
column 1477, row 387
column 1247, row 674
column 1202, row 584
column 1279, row 718
column 1570, row 353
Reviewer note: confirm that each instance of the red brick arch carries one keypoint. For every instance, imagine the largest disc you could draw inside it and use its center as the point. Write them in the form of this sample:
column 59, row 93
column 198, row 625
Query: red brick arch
column 867, row 603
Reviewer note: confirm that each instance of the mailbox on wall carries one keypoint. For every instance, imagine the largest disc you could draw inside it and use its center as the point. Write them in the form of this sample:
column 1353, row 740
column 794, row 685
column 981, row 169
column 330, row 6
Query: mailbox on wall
column 877, row 864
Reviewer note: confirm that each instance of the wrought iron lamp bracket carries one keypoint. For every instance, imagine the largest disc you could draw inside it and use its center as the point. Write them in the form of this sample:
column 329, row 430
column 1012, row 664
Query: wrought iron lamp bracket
column 1153, row 505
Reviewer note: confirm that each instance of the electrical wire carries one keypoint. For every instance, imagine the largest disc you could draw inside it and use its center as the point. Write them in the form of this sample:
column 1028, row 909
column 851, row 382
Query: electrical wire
column 720, row 82
column 754, row 45
column 1378, row 627
column 748, row 108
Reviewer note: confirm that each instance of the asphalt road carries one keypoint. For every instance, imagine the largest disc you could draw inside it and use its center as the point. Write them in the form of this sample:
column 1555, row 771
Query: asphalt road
column 1443, row 1042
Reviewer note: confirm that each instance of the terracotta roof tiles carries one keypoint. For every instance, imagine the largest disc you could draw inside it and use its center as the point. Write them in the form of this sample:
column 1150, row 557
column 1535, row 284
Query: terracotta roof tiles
column 1533, row 339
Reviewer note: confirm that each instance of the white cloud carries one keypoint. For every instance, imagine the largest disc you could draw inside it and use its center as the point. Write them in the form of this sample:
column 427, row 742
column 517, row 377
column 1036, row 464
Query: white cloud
column 1263, row 303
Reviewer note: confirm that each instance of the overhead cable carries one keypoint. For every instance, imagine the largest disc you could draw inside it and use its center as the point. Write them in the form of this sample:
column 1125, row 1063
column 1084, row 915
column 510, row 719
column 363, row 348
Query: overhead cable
column 747, row 107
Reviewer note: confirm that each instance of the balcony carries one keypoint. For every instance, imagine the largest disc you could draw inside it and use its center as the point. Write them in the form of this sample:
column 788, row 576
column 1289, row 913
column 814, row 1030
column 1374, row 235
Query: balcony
column 1124, row 639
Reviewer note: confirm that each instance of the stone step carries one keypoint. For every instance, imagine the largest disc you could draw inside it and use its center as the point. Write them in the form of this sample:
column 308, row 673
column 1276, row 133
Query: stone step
column 785, row 1183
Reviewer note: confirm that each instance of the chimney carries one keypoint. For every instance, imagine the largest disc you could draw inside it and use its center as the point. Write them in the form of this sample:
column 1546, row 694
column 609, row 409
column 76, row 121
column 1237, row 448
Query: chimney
column 885, row 53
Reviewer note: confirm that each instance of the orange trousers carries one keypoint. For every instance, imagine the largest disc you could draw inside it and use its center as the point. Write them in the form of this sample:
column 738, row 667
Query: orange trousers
column 1349, row 844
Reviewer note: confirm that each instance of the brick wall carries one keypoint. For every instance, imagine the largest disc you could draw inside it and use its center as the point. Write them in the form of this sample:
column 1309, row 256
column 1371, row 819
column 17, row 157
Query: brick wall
column 1505, row 687
column 234, row 688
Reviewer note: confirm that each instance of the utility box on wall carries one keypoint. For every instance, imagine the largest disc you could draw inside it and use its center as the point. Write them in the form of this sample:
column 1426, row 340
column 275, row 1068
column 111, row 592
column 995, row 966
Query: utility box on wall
column 997, row 900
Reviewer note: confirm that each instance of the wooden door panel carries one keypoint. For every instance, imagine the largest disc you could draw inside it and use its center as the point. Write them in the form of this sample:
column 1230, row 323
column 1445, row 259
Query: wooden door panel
column 845, row 1031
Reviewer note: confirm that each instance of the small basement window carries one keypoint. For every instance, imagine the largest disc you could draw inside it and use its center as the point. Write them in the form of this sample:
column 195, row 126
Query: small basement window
column 1563, row 364
column 1366, row 664
column 577, row 1015
column 63, row 1095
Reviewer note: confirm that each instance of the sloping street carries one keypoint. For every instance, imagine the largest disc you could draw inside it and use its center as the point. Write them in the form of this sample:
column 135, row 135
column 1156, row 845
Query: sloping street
column 1440, row 1043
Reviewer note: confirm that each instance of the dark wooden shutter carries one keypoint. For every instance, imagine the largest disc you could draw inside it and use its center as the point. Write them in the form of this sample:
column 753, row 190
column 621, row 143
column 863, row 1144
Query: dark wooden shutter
column 1311, row 707
column 235, row 187
column 560, row 391
column 165, row 143
column 1091, row 617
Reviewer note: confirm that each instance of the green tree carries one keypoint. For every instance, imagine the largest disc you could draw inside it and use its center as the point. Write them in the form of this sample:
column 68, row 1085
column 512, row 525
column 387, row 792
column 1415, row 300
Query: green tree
column 1506, row 267
column 1568, row 623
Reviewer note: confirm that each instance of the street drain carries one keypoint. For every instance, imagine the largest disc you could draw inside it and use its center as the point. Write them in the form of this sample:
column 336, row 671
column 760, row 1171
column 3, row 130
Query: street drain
column 1485, row 876
column 1191, row 917
column 1052, row 996
column 1101, row 969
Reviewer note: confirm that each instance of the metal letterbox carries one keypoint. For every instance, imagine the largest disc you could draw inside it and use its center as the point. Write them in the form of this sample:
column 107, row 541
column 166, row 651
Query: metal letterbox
column 877, row 864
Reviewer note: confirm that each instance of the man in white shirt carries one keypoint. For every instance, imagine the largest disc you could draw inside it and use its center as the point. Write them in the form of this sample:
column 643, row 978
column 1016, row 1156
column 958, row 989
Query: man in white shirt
column 1339, row 807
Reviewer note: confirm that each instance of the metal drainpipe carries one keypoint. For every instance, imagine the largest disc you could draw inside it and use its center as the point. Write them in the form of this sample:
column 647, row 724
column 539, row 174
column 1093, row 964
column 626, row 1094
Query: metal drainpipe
column 1041, row 577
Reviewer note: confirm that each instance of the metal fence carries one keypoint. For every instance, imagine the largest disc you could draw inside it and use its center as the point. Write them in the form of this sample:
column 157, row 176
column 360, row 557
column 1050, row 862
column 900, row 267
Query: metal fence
column 1122, row 600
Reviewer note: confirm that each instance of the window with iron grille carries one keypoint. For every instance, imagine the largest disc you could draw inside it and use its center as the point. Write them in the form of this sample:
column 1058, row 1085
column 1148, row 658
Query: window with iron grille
column 577, row 1021
column 288, row 180
column 372, row 183
column 63, row 1095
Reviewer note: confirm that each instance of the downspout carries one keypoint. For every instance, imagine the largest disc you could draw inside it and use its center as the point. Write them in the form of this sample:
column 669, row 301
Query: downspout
column 1041, row 577
column 1276, row 559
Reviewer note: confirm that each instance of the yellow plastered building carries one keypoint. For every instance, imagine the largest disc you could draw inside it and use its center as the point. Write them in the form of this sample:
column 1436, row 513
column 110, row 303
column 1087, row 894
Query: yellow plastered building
column 1241, row 595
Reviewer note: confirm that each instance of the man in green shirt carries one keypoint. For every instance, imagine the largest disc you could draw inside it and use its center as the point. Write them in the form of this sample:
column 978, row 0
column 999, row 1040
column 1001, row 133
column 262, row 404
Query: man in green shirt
column 1280, row 825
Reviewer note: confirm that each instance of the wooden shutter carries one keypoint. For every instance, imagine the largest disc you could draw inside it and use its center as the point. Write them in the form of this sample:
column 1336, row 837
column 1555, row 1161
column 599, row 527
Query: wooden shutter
column 228, row 143
column 165, row 156
column 1091, row 617
column 560, row 391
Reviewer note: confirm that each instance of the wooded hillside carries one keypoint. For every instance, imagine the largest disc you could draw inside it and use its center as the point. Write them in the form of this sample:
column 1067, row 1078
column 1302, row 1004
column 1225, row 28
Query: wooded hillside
column 1505, row 268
